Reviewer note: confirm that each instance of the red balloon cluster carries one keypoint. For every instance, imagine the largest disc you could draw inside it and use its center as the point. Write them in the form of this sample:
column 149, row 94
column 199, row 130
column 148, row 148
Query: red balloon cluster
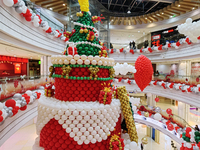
column 83, row 72
column 108, row 97
column 144, row 72
column 12, row 103
column 170, row 127
column 168, row 122
column 77, row 90
column 142, row 108
column 169, row 111
column 157, row 99
column 139, row 113
column 54, row 137
column 1, row 117
column 187, row 132
column 27, row 15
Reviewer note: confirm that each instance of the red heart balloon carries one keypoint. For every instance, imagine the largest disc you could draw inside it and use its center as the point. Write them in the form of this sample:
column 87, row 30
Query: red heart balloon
column 144, row 72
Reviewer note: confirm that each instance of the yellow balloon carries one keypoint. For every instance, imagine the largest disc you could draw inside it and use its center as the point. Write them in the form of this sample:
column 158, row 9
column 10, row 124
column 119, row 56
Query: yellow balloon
column 146, row 114
column 144, row 140
column 84, row 5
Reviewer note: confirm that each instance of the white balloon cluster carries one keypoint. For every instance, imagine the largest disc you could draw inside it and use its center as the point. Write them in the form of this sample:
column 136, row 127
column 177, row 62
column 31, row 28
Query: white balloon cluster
column 128, row 144
column 20, row 7
column 191, row 29
column 83, row 59
column 20, row 102
column 157, row 116
column 84, row 121
column 86, row 42
column 124, row 68
column 134, row 101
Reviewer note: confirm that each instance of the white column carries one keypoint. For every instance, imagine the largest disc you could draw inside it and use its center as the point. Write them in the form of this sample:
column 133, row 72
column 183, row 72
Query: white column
column 183, row 111
column 45, row 64
column 151, row 99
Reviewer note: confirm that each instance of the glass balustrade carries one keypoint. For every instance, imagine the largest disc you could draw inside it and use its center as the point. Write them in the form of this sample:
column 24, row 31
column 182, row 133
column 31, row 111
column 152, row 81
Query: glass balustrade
column 173, row 118
column 188, row 80
column 12, row 85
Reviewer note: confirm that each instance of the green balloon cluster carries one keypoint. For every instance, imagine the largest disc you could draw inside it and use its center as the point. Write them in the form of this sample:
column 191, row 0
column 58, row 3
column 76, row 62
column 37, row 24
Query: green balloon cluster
column 187, row 139
column 85, row 49
column 197, row 136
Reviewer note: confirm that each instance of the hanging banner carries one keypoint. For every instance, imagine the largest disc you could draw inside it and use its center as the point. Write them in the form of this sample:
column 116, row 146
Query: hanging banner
column 18, row 68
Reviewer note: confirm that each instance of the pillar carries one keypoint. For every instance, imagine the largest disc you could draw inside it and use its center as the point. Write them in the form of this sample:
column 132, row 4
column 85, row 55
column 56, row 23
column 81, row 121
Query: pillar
column 183, row 111
column 151, row 99
column 45, row 64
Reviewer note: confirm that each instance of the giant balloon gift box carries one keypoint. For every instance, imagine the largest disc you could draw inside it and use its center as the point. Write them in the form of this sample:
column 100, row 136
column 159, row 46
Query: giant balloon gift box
column 85, row 112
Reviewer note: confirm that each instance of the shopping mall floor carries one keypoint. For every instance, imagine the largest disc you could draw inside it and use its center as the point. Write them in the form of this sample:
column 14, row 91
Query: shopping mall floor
column 24, row 138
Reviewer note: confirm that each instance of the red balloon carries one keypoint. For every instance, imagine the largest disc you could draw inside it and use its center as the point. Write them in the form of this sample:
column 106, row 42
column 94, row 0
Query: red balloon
column 1, row 118
column 23, row 108
column 176, row 128
column 1, row 112
column 157, row 99
column 188, row 129
column 10, row 103
column 144, row 72
column 28, row 19
column 15, row 1
column 170, row 127
column 169, row 111
column 139, row 112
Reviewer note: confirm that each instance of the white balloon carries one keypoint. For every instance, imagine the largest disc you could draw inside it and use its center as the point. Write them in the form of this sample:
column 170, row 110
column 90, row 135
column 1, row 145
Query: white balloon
column 8, row 3
column 188, row 21
column 36, row 24
column 157, row 116
column 1, row 106
column 188, row 145
column 24, row 9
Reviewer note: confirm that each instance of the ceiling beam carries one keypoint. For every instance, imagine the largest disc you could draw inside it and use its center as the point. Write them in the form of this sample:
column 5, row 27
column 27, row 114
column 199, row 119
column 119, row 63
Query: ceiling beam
column 163, row 1
column 129, row 21
column 138, row 20
column 115, row 3
column 120, row 21
column 122, row 5
column 40, row 2
column 50, row 4
column 109, row 4
column 152, row 7
column 124, row 21
column 60, row 9
column 148, row 19
column 55, row 6
column 169, row 8
column 143, row 19
column 191, row 3
column 158, row 16
column 176, row 7
column 116, row 20
column 133, row 20
column 165, row 10
column 153, row 18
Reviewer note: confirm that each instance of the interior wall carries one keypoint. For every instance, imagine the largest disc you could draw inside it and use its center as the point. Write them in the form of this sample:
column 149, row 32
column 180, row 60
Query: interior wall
column 9, row 68
column 163, row 68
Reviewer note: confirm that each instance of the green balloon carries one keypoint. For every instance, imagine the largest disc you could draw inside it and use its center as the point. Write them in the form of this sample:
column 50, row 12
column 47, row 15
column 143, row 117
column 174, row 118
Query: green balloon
column 86, row 48
column 80, row 48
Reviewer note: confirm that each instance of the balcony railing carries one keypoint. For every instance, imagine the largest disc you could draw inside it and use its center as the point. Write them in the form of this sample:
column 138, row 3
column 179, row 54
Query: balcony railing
column 20, row 84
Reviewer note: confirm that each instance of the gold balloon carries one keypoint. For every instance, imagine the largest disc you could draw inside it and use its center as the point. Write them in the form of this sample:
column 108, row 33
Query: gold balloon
column 146, row 114
column 81, row 31
column 144, row 140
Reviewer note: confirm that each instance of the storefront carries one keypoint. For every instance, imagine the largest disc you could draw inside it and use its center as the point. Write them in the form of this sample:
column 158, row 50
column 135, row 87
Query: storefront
column 12, row 66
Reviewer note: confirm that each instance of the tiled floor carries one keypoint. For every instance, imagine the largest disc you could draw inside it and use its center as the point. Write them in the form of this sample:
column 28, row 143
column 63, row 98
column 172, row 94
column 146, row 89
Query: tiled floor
column 24, row 138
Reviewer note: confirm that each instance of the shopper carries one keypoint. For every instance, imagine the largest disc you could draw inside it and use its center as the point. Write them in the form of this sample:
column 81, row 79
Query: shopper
column 130, row 44
column 142, row 146
column 157, row 73
column 197, row 128
column 133, row 44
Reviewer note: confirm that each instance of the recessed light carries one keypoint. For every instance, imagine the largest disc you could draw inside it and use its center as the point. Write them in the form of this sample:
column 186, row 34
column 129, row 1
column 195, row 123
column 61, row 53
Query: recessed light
column 162, row 13
column 138, row 31
column 179, row 5
column 171, row 16
column 145, row 18
column 193, row 8
column 64, row 5
column 51, row 8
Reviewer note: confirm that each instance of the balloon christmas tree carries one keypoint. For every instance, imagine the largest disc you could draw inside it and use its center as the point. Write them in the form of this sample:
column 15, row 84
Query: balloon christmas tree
column 85, row 36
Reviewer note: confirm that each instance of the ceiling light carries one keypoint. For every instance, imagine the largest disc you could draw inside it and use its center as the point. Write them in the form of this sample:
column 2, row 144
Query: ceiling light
column 128, row 12
column 64, row 5
column 162, row 13
column 193, row 8
column 14, row 55
column 138, row 31
column 51, row 8
column 145, row 18
column 179, row 5
column 170, row 16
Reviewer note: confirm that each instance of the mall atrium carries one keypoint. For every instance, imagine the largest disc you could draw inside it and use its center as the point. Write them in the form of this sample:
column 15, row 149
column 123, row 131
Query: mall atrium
column 99, row 74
